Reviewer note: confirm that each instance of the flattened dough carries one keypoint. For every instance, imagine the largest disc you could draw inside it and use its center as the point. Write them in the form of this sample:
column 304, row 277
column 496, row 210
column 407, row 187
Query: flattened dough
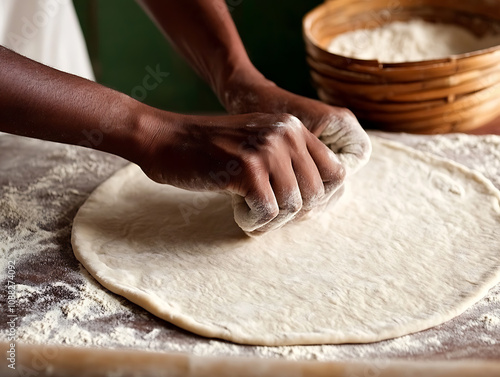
column 413, row 243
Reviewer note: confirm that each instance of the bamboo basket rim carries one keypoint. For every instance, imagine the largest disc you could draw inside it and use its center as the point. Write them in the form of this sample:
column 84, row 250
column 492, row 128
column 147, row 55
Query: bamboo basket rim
column 312, row 15
column 401, row 92
column 409, row 110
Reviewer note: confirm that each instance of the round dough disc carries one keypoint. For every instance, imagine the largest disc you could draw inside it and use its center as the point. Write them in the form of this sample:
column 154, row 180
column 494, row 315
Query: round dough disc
column 413, row 243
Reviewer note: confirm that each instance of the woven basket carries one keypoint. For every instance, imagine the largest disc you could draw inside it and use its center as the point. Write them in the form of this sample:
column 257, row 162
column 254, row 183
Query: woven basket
column 456, row 94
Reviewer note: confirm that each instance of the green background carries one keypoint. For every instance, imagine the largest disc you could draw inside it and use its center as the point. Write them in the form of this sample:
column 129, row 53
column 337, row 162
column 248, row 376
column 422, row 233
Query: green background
column 123, row 42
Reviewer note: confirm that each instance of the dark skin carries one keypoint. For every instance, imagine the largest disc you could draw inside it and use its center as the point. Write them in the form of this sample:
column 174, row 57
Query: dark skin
column 277, row 163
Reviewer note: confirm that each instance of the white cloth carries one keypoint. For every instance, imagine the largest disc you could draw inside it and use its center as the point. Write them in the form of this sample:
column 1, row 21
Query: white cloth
column 46, row 31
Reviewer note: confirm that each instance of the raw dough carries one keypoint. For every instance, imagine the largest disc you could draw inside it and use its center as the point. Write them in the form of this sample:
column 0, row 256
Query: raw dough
column 413, row 244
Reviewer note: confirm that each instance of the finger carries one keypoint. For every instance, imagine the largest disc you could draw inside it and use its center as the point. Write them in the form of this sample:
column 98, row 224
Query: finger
column 257, row 208
column 309, row 180
column 287, row 193
column 328, row 164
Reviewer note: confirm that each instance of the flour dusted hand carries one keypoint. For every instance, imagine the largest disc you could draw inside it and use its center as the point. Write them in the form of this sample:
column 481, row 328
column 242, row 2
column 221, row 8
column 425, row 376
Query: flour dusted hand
column 271, row 164
column 337, row 127
column 285, row 175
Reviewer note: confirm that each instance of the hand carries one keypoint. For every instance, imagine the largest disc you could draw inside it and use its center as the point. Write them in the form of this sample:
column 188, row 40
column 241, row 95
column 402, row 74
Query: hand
column 337, row 127
column 273, row 166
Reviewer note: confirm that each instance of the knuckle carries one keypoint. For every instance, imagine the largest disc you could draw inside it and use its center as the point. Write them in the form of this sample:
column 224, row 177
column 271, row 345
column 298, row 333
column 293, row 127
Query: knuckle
column 292, row 120
column 314, row 198
column 288, row 122
column 251, row 164
column 331, row 186
column 336, row 179
column 282, row 128
column 292, row 202
column 291, row 207
column 268, row 212
column 340, row 173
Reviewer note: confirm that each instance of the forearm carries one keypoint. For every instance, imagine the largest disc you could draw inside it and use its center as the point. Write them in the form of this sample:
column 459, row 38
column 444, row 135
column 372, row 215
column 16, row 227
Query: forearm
column 41, row 102
column 203, row 32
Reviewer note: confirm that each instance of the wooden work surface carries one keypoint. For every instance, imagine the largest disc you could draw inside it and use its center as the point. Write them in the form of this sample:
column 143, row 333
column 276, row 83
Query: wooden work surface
column 43, row 184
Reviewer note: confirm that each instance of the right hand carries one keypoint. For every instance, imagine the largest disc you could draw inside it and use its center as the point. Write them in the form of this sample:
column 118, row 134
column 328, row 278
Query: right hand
column 274, row 167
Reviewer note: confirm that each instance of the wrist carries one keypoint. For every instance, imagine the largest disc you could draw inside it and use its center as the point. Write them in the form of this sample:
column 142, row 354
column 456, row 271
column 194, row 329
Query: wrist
column 156, row 133
column 243, row 81
column 130, row 129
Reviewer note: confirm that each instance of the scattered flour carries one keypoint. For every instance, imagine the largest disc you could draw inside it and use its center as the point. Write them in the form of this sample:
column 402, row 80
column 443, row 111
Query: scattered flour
column 41, row 187
column 415, row 40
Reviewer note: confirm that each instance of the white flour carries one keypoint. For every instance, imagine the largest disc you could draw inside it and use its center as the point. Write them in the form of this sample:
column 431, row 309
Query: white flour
column 415, row 40
column 60, row 303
